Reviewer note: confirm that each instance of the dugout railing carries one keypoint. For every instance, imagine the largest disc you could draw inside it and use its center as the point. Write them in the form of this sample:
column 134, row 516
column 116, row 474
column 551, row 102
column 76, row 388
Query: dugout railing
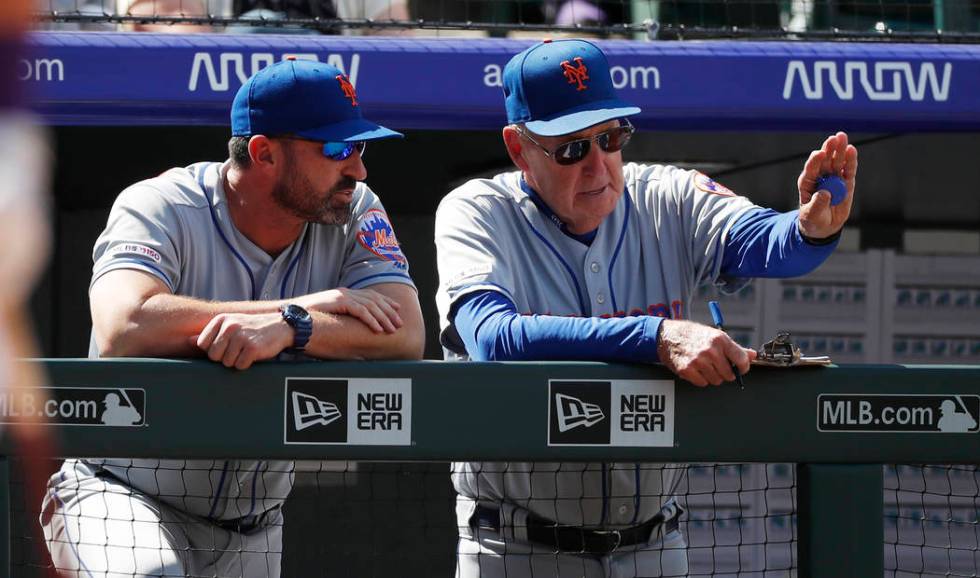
column 838, row 424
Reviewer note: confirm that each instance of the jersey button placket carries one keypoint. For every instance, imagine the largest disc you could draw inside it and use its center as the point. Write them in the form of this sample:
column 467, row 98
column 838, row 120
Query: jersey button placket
column 600, row 298
column 594, row 267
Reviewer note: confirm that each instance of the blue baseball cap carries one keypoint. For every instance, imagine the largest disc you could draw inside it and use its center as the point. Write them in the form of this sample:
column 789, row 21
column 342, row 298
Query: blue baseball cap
column 304, row 98
column 561, row 86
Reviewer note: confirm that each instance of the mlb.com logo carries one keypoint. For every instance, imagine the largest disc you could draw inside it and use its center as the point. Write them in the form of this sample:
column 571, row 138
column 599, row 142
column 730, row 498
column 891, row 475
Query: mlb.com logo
column 355, row 411
column 615, row 413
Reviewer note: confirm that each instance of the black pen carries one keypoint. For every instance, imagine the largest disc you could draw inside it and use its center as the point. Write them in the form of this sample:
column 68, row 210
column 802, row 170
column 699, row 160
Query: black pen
column 720, row 324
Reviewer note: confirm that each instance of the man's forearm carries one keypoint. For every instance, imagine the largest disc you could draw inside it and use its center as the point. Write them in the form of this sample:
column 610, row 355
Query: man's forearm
column 344, row 337
column 764, row 243
column 134, row 314
column 165, row 325
column 493, row 330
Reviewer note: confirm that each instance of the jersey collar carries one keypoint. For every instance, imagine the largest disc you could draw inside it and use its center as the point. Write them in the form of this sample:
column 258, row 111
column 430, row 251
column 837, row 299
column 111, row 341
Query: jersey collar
column 584, row 238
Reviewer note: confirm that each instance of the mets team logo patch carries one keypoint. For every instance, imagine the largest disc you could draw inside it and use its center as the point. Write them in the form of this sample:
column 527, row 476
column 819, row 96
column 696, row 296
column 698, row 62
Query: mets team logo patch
column 376, row 235
column 706, row 184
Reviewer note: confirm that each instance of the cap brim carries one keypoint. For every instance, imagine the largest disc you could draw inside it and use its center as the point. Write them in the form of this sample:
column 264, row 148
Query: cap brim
column 571, row 121
column 351, row 130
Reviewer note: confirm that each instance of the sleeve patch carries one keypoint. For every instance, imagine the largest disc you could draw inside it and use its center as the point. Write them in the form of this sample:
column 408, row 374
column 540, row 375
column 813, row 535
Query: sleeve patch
column 708, row 185
column 137, row 249
column 475, row 271
column 376, row 234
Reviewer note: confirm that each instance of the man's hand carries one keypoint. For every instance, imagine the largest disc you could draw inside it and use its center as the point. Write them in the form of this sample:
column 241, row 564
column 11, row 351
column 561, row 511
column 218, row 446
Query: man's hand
column 375, row 310
column 701, row 354
column 240, row 339
column 818, row 219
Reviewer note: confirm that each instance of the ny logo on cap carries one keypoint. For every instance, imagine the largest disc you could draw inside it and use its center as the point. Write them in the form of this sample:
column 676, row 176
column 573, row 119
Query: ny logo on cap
column 576, row 74
column 348, row 89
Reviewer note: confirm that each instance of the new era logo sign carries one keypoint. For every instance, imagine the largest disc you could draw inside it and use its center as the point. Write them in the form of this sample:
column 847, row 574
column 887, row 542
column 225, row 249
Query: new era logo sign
column 309, row 411
column 578, row 411
column 619, row 412
column 573, row 413
column 316, row 410
column 355, row 411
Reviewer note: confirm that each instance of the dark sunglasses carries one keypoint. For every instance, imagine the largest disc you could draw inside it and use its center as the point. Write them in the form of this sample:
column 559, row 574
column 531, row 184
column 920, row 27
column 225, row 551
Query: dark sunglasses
column 572, row 152
column 337, row 151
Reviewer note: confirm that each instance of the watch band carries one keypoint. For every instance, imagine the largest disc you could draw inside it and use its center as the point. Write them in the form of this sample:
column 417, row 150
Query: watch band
column 819, row 242
column 301, row 322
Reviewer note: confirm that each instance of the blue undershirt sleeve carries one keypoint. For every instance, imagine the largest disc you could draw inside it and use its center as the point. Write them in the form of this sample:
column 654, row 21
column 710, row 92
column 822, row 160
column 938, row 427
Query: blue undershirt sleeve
column 766, row 243
column 492, row 330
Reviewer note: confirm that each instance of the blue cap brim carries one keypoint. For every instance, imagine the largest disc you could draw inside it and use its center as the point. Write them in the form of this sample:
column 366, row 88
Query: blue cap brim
column 348, row 131
column 573, row 121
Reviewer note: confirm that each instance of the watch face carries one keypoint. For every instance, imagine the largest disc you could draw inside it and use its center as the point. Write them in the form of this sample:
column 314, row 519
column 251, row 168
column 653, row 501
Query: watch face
column 296, row 311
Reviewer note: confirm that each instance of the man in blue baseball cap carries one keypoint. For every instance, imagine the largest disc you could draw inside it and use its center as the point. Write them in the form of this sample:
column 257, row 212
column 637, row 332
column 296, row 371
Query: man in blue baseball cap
column 280, row 249
column 578, row 256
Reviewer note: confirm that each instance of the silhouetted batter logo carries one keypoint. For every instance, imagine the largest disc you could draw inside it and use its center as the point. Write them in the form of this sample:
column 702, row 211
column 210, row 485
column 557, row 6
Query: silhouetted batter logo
column 115, row 413
column 577, row 74
column 347, row 88
column 316, row 410
column 377, row 236
column 578, row 413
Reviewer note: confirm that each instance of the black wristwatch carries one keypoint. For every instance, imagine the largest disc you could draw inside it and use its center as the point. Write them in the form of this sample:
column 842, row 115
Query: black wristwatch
column 301, row 322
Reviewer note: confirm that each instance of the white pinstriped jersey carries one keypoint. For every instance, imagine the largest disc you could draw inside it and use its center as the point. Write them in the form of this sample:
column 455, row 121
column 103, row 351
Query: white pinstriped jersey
column 177, row 228
column 661, row 242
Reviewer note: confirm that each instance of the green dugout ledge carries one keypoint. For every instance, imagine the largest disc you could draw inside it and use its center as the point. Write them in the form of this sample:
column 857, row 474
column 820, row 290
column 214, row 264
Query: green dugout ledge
column 507, row 411
column 837, row 423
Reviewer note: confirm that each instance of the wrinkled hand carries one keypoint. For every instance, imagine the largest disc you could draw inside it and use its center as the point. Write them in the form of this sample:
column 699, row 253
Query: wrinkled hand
column 818, row 219
column 375, row 310
column 701, row 354
column 240, row 339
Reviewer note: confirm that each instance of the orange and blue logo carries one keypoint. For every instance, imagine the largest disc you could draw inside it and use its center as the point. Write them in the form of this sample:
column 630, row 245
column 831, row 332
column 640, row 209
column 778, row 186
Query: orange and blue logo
column 347, row 88
column 377, row 236
column 708, row 185
column 576, row 74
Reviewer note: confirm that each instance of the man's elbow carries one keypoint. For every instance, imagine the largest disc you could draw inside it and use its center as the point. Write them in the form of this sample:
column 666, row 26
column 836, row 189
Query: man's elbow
column 412, row 344
column 405, row 344
column 116, row 341
column 122, row 335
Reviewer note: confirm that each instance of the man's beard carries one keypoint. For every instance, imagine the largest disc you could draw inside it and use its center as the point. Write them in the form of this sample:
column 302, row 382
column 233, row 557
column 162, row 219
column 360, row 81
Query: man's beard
column 297, row 195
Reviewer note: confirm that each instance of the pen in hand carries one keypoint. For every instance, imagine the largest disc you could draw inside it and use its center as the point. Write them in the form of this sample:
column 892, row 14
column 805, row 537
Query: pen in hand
column 720, row 324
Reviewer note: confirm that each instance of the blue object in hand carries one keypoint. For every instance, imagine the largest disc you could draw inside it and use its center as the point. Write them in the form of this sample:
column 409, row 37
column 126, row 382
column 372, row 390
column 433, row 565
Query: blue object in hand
column 834, row 185
column 716, row 315
column 720, row 324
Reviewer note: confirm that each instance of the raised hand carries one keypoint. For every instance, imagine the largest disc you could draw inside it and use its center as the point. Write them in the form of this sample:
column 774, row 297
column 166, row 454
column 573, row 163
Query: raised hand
column 818, row 219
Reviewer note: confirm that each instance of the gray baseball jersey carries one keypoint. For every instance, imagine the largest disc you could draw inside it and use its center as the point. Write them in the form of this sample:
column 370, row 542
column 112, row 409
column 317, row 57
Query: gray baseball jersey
column 177, row 228
column 661, row 242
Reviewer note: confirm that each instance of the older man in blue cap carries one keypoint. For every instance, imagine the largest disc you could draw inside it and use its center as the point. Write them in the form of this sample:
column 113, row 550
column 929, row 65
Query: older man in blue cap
column 578, row 256
column 282, row 248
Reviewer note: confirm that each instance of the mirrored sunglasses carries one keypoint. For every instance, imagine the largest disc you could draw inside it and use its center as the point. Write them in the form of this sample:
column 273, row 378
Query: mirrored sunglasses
column 339, row 151
column 571, row 152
